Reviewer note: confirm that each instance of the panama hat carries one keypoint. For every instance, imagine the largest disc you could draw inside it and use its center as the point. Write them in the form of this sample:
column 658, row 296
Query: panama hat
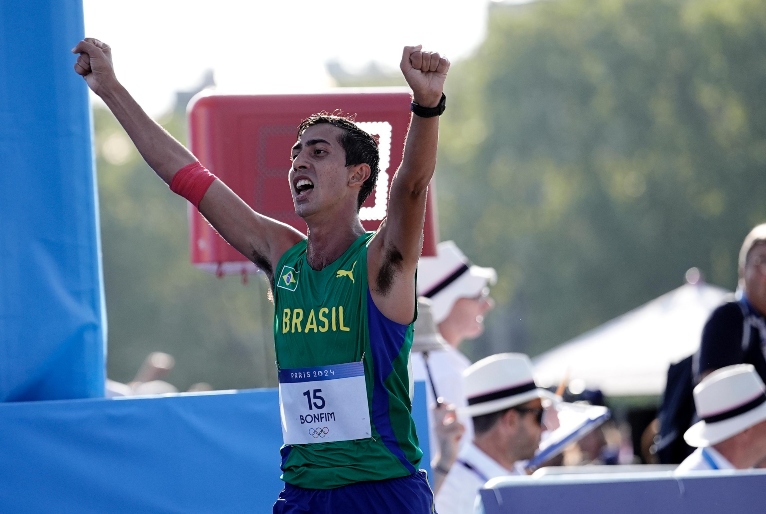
column 729, row 401
column 498, row 382
column 450, row 276
column 427, row 337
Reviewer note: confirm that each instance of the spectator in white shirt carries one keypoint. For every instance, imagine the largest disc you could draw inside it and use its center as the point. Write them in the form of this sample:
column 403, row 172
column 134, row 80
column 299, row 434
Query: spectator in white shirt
column 442, row 417
column 459, row 295
column 506, row 407
column 731, row 403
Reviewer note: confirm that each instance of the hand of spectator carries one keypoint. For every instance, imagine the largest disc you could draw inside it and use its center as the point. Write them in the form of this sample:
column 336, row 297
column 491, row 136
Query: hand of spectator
column 449, row 431
column 551, row 418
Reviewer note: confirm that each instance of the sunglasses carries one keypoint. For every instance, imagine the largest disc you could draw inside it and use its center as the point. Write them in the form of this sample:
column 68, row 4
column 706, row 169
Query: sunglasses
column 537, row 412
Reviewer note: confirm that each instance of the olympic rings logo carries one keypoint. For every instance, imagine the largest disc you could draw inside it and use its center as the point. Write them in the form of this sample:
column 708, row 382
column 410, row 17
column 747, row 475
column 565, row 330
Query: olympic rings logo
column 318, row 432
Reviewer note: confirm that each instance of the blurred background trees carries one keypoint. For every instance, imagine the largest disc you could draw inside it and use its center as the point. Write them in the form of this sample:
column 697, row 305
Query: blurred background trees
column 217, row 330
column 596, row 150
column 592, row 151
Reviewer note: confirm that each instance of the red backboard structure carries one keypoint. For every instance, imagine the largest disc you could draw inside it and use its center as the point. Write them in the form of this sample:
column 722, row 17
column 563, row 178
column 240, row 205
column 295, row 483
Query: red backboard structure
column 246, row 140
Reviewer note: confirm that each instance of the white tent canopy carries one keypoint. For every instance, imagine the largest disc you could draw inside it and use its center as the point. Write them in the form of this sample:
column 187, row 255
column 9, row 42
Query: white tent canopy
column 630, row 355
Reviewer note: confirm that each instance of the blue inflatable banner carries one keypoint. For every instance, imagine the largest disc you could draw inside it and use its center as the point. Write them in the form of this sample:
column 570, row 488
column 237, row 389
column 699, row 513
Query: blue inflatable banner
column 52, row 320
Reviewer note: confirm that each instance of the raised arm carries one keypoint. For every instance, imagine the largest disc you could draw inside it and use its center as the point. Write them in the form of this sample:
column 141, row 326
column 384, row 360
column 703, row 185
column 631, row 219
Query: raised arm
column 261, row 239
column 394, row 252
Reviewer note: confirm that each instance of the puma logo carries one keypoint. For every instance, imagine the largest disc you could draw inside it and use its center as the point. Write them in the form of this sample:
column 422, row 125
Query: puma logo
column 346, row 273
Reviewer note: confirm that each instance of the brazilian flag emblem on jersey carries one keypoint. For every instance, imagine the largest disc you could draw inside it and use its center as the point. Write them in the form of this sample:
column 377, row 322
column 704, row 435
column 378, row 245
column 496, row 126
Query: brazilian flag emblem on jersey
column 288, row 279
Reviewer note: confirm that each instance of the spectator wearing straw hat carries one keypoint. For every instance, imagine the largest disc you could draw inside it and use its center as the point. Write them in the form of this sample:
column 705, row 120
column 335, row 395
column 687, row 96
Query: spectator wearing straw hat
column 459, row 295
column 507, row 411
column 731, row 403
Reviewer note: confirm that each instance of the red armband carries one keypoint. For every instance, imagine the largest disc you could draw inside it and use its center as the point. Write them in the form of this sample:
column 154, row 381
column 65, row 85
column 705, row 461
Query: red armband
column 192, row 182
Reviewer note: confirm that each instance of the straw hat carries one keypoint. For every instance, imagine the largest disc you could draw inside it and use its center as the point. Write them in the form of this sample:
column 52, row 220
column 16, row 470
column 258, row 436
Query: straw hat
column 427, row 337
column 729, row 401
column 449, row 276
column 498, row 382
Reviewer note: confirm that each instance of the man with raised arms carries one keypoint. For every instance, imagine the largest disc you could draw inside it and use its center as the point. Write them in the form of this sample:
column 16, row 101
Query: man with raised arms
column 344, row 298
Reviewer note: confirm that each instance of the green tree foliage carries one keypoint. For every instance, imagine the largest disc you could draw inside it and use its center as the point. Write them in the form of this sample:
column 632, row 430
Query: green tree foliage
column 218, row 330
column 594, row 150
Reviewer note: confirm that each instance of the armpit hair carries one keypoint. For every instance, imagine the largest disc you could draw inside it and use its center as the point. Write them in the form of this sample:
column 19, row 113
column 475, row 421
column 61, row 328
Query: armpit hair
column 264, row 265
column 392, row 264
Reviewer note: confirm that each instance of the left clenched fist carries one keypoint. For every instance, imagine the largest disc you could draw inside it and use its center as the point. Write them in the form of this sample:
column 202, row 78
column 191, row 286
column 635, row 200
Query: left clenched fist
column 425, row 72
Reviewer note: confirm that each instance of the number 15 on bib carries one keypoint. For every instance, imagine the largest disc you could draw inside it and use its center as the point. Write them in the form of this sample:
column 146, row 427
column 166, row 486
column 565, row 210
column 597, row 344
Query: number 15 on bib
column 324, row 404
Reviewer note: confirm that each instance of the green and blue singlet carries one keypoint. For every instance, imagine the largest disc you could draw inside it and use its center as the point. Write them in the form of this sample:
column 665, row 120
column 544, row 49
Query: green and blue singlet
column 328, row 317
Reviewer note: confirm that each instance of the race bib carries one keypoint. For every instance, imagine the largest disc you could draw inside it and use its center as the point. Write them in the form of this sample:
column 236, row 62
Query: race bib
column 324, row 404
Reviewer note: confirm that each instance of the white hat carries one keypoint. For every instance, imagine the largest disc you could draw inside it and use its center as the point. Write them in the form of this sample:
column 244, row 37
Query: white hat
column 450, row 276
column 498, row 382
column 427, row 338
column 729, row 401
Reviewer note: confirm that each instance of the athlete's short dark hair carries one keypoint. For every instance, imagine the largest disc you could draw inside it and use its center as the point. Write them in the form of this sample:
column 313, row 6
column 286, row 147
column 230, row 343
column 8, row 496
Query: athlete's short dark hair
column 359, row 145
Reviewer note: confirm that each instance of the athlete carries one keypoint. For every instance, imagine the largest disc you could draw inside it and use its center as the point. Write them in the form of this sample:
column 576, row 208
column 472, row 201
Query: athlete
column 344, row 298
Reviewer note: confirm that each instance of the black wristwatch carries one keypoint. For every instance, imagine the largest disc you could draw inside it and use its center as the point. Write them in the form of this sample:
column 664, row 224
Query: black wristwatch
column 429, row 112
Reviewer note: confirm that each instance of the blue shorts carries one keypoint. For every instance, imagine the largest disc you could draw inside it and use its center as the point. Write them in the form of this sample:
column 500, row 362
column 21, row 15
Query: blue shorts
column 405, row 495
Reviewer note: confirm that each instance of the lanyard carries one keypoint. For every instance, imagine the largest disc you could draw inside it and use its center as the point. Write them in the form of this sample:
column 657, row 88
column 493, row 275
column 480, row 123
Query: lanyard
column 471, row 467
column 709, row 459
column 757, row 321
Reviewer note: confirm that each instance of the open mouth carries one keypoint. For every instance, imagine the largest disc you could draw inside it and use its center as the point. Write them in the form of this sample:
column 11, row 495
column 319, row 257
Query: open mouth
column 303, row 185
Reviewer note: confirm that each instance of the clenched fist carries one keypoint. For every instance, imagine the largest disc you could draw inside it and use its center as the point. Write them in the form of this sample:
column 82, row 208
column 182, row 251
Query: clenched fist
column 425, row 72
column 94, row 63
